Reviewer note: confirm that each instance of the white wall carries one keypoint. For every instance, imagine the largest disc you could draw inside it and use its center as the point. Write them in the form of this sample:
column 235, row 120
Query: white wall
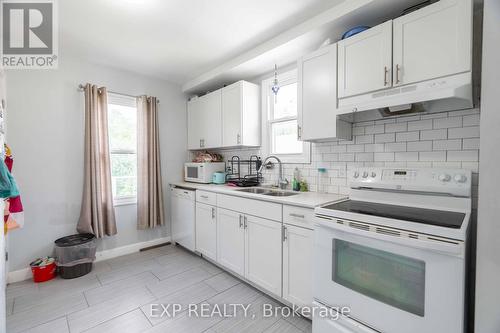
column 487, row 318
column 45, row 131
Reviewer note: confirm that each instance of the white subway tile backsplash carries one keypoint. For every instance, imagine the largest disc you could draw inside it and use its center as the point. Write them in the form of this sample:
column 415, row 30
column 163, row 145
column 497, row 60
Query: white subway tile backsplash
column 471, row 143
column 463, row 155
column 432, row 156
column 346, row 157
column 471, row 120
column 375, row 129
column 396, row 127
column 339, row 149
column 420, row 125
column 364, row 157
column 395, row 146
column 447, row 122
column 419, row 146
column 407, row 156
column 407, row 136
column 455, row 144
column 375, row 148
column 414, row 141
column 355, row 148
column 437, row 134
column 363, row 139
column 464, row 132
column 388, row 137
column 383, row 157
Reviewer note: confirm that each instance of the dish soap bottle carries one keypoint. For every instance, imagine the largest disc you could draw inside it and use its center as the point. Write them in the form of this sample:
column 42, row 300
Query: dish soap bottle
column 296, row 180
column 322, row 182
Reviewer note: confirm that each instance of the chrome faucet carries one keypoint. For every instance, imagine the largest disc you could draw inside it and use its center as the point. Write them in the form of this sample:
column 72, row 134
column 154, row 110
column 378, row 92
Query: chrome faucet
column 282, row 182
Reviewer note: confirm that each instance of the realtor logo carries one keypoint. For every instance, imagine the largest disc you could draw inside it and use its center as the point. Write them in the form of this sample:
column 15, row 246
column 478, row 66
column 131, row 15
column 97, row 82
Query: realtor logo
column 29, row 34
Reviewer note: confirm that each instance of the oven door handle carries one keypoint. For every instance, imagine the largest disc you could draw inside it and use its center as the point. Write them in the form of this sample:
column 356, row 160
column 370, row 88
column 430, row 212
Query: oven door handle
column 435, row 246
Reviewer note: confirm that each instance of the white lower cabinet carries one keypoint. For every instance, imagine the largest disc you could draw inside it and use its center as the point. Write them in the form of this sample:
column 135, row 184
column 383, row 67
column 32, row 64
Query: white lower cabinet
column 297, row 265
column 263, row 253
column 231, row 240
column 206, row 230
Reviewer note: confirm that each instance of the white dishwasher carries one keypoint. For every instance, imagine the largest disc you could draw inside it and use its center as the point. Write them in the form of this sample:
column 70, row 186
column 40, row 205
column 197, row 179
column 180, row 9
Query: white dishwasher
column 183, row 217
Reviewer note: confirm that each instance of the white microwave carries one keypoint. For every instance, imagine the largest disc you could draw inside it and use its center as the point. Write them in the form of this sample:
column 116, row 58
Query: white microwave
column 202, row 172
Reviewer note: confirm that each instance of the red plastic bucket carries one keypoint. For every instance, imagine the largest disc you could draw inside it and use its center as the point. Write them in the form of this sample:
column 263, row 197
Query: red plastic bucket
column 44, row 273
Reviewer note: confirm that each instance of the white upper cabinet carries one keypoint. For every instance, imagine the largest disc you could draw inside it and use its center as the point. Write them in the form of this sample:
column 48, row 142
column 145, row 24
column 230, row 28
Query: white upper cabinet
column 317, row 97
column 228, row 117
column 210, row 126
column 365, row 61
column 240, row 115
column 433, row 42
column 194, row 124
column 204, row 121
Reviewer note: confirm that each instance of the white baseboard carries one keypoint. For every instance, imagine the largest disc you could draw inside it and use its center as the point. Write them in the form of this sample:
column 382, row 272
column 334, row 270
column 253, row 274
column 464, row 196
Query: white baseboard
column 25, row 273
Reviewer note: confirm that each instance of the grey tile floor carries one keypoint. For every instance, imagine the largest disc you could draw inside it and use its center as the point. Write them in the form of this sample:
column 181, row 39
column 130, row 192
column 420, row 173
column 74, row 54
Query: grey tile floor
column 117, row 297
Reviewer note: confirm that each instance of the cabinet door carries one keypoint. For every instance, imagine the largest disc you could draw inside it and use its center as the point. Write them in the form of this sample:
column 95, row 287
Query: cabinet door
column 206, row 230
column 432, row 42
column 194, row 125
column 317, row 95
column 297, row 265
column 211, row 120
column 365, row 61
column 263, row 253
column 231, row 240
column 231, row 115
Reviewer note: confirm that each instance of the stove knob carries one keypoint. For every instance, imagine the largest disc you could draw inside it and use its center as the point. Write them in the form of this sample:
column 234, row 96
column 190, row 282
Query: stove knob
column 374, row 175
column 444, row 177
column 365, row 174
column 356, row 174
column 460, row 178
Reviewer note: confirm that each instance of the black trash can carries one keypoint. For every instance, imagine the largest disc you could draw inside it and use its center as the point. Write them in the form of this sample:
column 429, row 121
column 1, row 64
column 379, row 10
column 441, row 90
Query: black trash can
column 75, row 255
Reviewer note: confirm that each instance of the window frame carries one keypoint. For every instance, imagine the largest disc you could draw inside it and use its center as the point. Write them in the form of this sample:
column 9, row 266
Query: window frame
column 288, row 77
column 125, row 101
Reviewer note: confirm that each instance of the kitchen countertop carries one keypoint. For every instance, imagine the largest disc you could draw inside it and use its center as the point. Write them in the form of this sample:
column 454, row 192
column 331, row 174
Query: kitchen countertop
column 302, row 199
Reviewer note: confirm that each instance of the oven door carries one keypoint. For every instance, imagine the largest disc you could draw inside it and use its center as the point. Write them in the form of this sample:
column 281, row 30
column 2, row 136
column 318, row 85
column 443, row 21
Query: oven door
column 390, row 283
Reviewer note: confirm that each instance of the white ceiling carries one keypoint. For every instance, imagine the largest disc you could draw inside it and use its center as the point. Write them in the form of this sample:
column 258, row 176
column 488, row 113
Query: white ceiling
column 176, row 40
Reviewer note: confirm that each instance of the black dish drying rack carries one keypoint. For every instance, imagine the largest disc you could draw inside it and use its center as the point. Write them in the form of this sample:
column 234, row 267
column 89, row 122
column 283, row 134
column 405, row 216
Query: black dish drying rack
column 252, row 165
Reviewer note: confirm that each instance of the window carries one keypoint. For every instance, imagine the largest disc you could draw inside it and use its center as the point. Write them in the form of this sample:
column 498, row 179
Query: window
column 282, row 120
column 122, row 130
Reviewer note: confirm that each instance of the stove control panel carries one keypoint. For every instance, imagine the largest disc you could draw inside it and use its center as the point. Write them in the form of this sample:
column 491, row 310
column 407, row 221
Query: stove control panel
column 456, row 182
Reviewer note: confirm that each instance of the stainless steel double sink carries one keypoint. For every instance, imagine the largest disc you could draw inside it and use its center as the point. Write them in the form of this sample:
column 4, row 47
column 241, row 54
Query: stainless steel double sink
column 269, row 192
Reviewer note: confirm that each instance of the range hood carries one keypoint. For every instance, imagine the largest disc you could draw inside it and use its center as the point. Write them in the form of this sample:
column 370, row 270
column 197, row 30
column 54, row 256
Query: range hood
column 443, row 94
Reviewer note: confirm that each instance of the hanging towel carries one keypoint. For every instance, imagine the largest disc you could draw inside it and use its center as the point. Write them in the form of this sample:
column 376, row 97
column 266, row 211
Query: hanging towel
column 13, row 212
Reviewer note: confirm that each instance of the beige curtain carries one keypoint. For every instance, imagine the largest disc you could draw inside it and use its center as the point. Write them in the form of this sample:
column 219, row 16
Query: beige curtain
column 149, row 184
column 97, row 214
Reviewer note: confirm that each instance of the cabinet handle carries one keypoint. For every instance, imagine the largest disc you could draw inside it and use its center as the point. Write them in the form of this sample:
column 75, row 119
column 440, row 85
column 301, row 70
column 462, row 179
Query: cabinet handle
column 284, row 236
column 241, row 222
column 238, row 138
column 245, row 220
column 386, row 71
column 397, row 73
column 297, row 215
column 299, row 132
column 204, row 196
column 213, row 213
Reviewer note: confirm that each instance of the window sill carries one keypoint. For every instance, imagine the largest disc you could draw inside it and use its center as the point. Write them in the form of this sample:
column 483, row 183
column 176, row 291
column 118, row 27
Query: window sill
column 125, row 202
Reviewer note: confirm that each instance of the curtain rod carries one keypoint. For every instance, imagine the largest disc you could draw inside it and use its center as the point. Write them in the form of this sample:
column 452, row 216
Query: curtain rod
column 81, row 87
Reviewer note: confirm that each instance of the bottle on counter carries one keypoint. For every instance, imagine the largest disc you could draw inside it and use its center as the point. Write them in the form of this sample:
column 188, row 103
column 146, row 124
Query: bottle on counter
column 322, row 183
column 296, row 180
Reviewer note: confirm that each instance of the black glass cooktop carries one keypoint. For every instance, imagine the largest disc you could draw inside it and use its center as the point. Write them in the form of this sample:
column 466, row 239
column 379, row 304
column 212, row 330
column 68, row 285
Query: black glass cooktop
column 412, row 214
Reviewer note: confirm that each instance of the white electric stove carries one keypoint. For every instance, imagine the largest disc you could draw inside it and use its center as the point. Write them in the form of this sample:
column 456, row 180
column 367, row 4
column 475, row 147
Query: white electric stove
column 395, row 252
